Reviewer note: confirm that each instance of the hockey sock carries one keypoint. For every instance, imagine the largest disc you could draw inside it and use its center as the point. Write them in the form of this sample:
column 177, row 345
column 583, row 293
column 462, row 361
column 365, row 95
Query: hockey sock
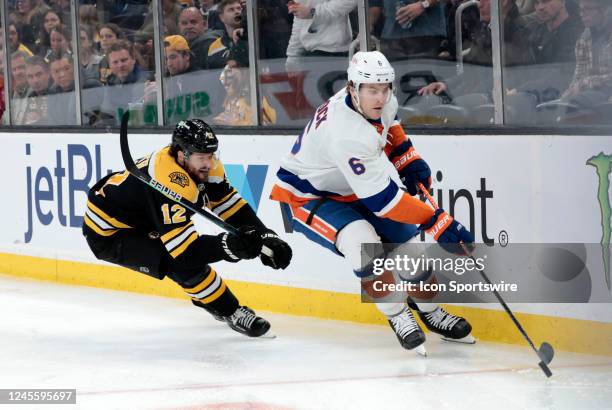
column 424, row 307
column 390, row 309
column 214, row 293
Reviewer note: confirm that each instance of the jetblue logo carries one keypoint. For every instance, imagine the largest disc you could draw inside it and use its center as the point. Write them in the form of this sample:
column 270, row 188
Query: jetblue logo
column 249, row 184
column 46, row 186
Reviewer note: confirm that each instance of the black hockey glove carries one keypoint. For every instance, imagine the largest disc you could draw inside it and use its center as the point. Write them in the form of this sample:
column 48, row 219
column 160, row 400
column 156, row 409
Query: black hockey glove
column 282, row 252
column 246, row 245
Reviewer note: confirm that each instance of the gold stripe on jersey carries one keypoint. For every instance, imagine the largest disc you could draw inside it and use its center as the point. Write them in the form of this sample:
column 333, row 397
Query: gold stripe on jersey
column 97, row 229
column 209, row 290
column 178, row 239
column 168, row 236
column 163, row 168
column 229, row 205
column 175, row 253
column 113, row 222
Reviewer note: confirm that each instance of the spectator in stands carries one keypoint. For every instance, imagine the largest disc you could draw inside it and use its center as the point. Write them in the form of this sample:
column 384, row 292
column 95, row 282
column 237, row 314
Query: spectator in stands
column 124, row 69
column 15, row 43
column 62, row 109
column 553, row 40
column 39, row 81
column 210, row 9
column 515, row 52
column 237, row 104
column 60, row 40
column 109, row 34
column 592, row 81
column 411, row 28
column 178, row 57
column 51, row 20
column 18, row 70
column 61, row 6
column 28, row 15
column 193, row 26
column 88, row 15
column 88, row 57
column 515, row 35
column 469, row 19
column 232, row 39
column 275, row 25
column 20, row 85
column 62, row 72
column 526, row 6
column 126, row 83
column 178, row 86
column 144, row 50
column 320, row 28
column 192, row 23
column 171, row 9
column 127, row 14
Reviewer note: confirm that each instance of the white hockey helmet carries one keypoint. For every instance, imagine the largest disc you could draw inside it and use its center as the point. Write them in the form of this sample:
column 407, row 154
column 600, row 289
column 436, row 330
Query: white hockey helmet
column 370, row 67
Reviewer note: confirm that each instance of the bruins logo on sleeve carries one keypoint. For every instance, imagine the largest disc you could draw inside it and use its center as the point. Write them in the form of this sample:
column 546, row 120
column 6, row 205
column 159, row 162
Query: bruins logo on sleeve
column 179, row 178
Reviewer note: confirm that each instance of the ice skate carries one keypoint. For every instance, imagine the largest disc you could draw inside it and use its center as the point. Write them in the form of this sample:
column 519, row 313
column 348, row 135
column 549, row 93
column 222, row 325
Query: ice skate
column 408, row 332
column 450, row 327
column 245, row 321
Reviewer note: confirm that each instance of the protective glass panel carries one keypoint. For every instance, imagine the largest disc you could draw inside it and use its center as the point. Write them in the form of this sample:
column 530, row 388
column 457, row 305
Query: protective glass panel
column 558, row 63
column 117, row 61
column 303, row 55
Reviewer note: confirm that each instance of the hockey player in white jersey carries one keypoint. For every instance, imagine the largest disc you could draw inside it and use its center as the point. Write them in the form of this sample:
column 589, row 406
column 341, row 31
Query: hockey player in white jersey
column 342, row 191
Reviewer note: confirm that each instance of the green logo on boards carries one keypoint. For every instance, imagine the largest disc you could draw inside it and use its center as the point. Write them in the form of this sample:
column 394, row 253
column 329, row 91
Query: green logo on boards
column 603, row 166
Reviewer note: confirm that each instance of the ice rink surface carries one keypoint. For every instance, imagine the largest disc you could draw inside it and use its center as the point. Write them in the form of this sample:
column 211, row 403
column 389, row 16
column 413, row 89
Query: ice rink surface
column 129, row 351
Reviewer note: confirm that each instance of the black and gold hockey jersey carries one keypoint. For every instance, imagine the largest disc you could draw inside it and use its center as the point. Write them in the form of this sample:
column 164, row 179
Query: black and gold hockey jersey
column 120, row 201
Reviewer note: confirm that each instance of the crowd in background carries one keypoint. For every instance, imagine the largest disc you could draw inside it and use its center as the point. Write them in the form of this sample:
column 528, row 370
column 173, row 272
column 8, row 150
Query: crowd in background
column 116, row 61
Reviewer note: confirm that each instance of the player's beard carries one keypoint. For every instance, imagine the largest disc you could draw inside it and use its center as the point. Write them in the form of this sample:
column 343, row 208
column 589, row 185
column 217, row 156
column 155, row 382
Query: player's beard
column 199, row 175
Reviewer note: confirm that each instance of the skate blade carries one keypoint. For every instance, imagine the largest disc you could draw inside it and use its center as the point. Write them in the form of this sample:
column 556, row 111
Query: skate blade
column 469, row 340
column 267, row 335
column 420, row 349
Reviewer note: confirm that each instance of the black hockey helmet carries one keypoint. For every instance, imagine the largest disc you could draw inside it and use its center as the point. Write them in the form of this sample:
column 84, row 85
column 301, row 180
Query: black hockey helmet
column 194, row 135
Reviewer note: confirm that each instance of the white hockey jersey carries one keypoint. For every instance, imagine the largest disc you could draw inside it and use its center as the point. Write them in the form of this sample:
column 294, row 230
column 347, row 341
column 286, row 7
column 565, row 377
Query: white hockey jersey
column 340, row 155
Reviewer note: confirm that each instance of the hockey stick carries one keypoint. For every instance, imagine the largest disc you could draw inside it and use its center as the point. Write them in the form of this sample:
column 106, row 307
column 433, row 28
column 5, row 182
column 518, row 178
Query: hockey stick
column 546, row 351
column 174, row 196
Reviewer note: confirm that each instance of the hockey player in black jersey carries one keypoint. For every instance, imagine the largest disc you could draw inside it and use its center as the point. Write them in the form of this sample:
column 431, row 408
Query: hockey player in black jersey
column 129, row 224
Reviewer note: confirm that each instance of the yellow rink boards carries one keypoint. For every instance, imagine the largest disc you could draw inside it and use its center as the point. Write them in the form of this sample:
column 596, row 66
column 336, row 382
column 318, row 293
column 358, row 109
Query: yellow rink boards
column 567, row 334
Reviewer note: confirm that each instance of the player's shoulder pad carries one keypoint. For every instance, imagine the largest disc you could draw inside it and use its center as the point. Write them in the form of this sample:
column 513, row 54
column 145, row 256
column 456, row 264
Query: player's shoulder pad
column 358, row 137
column 163, row 167
column 217, row 174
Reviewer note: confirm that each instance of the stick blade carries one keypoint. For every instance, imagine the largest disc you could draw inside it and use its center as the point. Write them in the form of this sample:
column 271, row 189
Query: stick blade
column 545, row 369
column 546, row 352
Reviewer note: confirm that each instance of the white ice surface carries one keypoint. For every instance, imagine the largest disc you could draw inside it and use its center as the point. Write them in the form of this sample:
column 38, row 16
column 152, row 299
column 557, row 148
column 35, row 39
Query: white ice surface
column 129, row 351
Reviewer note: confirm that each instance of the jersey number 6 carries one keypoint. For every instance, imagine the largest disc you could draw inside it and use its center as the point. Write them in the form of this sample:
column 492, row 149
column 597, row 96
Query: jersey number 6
column 357, row 167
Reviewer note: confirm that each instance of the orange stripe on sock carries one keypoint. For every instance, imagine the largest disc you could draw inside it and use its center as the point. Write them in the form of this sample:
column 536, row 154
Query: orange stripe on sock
column 317, row 224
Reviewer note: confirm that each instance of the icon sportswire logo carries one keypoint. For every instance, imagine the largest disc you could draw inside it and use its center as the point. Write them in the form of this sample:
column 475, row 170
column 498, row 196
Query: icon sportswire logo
column 603, row 166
